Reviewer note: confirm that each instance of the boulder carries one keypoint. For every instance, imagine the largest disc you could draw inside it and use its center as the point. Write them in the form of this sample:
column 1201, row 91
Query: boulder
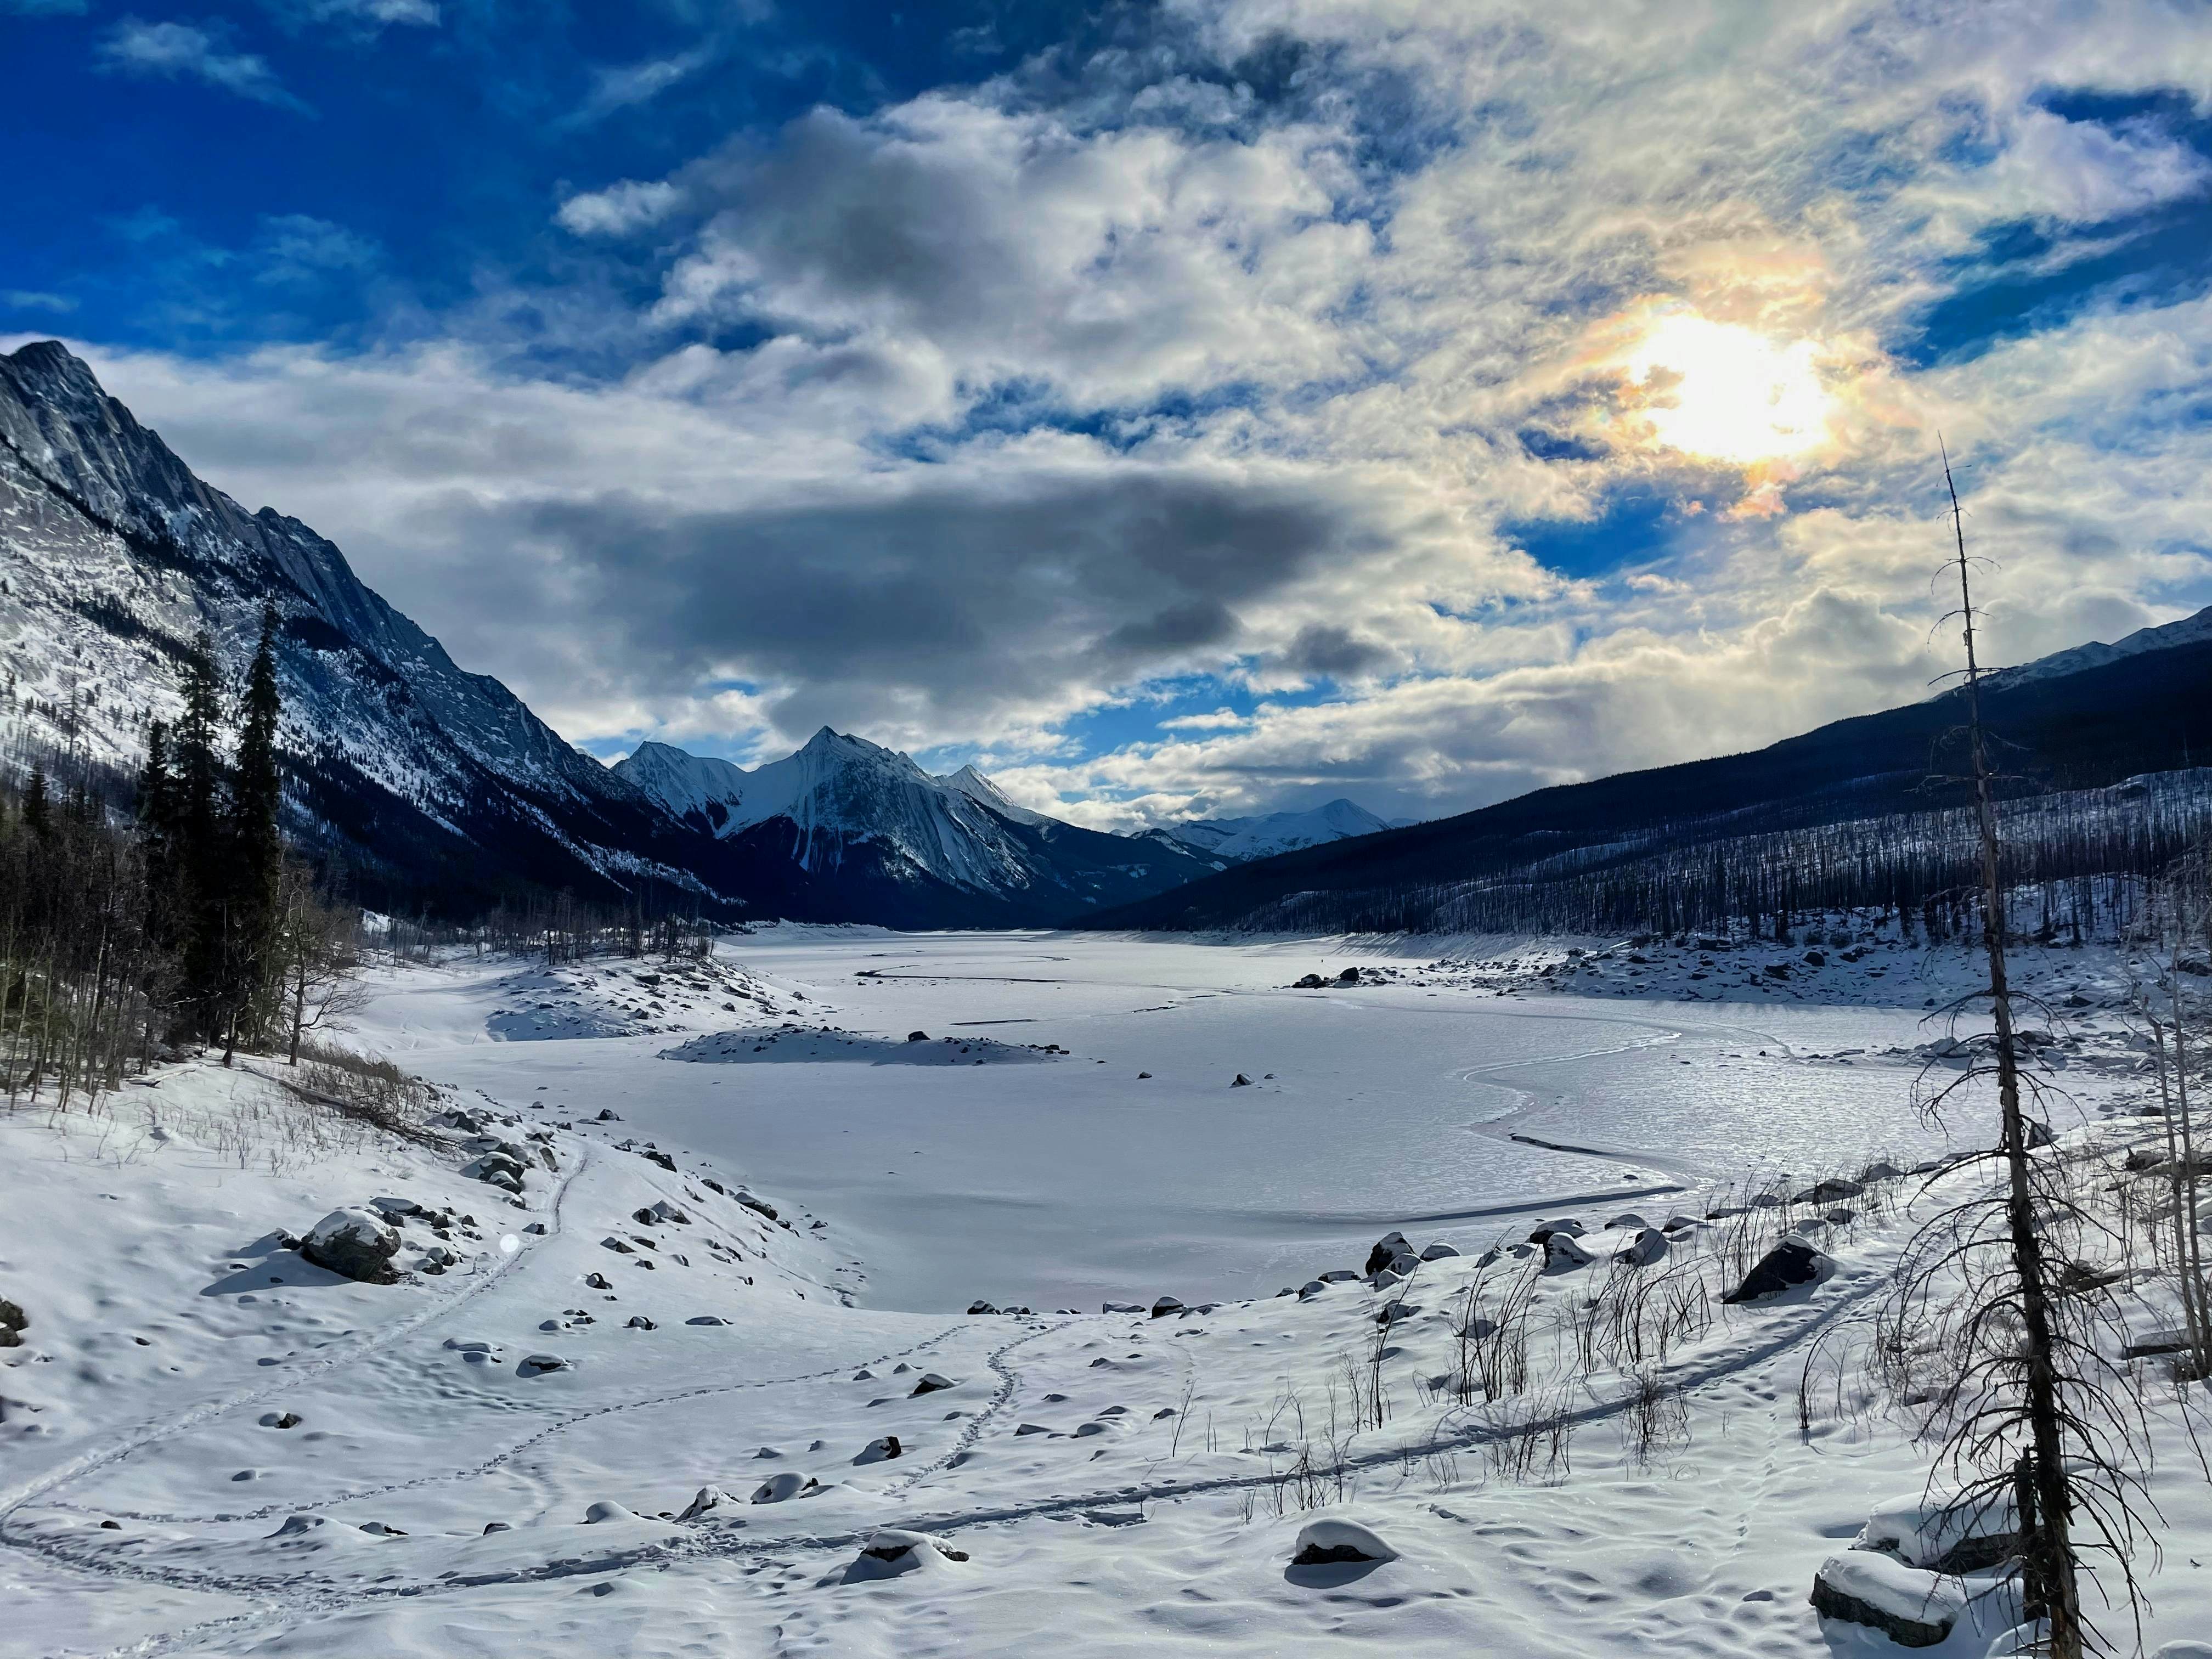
column 1564, row 1253
column 13, row 1321
column 880, row 1450
column 1349, row 976
column 537, row 1365
column 1568, row 1225
column 1913, row 1607
column 896, row 1549
column 1828, row 1192
column 1330, row 1542
column 917, row 1036
column 1944, row 1533
column 980, row 1306
column 931, row 1383
column 709, row 1497
column 1388, row 1250
column 781, row 1488
column 356, row 1244
column 1437, row 1252
column 640, row 1323
column 1166, row 1306
column 1648, row 1246
column 1792, row 1262
column 1241, row 1081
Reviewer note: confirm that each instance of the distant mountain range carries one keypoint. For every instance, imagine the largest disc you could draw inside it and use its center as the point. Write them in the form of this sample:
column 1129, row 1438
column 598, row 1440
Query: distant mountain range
column 439, row 789
column 2082, row 720
column 1238, row 841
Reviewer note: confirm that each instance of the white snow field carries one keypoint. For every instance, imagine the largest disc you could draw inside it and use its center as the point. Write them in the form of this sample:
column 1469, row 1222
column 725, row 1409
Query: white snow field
column 708, row 1382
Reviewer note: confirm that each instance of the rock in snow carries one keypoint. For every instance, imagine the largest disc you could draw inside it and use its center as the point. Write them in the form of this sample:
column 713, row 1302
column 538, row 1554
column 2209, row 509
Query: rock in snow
column 1790, row 1263
column 355, row 1243
column 1389, row 1250
column 1331, row 1541
column 1913, row 1607
column 783, row 1487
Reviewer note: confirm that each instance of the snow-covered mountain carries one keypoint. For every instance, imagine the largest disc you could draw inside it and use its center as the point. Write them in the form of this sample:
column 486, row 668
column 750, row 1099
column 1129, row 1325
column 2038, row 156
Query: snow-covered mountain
column 1238, row 841
column 439, row 786
column 2189, row 630
column 844, row 817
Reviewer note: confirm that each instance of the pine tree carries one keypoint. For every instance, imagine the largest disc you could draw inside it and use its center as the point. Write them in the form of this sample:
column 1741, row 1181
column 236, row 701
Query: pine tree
column 202, row 858
column 256, row 845
column 38, row 815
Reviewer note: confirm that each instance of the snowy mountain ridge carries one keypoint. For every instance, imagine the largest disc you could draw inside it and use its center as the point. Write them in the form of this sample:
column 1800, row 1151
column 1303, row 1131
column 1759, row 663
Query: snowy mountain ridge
column 1237, row 840
column 842, row 806
column 2187, row 630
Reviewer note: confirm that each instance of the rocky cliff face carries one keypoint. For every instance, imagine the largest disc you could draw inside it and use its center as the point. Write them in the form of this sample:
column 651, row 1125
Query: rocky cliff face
column 438, row 786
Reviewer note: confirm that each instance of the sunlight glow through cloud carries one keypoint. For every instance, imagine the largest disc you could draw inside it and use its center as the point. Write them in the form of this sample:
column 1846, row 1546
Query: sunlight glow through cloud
column 1727, row 392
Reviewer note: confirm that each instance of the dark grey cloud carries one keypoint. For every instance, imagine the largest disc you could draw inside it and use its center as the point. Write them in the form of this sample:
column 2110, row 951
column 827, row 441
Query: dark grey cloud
column 938, row 602
column 1324, row 648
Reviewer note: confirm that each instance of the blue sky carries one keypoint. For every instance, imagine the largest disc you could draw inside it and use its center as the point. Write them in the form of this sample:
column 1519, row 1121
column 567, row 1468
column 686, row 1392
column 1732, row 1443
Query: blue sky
column 1205, row 406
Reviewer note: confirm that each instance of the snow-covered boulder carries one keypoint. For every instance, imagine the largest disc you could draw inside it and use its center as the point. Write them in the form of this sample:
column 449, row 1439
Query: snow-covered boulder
column 1789, row 1264
column 1648, row 1246
column 13, row 1321
column 1389, row 1250
column 1913, row 1607
column 1568, row 1225
column 1166, row 1306
column 893, row 1550
column 537, row 1365
column 1330, row 1541
column 1564, row 1253
column 1942, row 1532
column 708, row 1498
column 880, row 1450
column 1438, row 1251
column 931, row 1382
column 355, row 1243
column 783, row 1487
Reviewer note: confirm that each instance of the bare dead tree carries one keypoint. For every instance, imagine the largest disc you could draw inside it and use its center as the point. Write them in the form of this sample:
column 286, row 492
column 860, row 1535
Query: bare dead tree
column 2030, row 1414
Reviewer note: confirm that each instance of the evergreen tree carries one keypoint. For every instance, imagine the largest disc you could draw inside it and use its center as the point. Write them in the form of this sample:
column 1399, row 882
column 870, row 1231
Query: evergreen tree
column 202, row 863
column 37, row 814
column 255, row 845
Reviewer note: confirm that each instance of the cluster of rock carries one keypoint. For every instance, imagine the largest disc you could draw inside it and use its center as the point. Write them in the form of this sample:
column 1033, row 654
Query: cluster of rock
column 1315, row 981
column 363, row 1242
column 1920, row 1563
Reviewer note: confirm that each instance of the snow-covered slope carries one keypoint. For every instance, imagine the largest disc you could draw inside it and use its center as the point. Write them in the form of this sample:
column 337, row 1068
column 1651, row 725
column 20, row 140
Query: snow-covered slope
column 1235, row 840
column 846, row 830
column 113, row 555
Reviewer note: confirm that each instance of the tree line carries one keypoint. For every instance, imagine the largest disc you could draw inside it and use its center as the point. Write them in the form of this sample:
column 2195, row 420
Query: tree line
column 173, row 915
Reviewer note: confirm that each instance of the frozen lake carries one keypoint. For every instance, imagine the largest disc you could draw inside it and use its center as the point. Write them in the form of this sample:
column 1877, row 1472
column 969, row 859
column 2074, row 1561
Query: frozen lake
column 1073, row 1179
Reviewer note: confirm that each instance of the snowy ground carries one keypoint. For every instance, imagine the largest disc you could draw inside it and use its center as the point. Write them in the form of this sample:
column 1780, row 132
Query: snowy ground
column 1112, row 1479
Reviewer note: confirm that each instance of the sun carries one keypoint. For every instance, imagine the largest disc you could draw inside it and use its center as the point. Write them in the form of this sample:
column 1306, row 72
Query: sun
column 1727, row 392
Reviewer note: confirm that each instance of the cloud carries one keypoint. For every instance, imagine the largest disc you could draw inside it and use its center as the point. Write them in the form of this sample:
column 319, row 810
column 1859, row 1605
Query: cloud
column 24, row 299
column 957, row 420
column 46, row 8
column 619, row 87
column 296, row 247
column 362, row 17
column 619, row 208
column 134, row 46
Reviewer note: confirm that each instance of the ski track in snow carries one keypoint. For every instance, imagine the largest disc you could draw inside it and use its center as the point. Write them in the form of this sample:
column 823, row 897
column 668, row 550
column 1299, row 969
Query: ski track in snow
column 305, row 1598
